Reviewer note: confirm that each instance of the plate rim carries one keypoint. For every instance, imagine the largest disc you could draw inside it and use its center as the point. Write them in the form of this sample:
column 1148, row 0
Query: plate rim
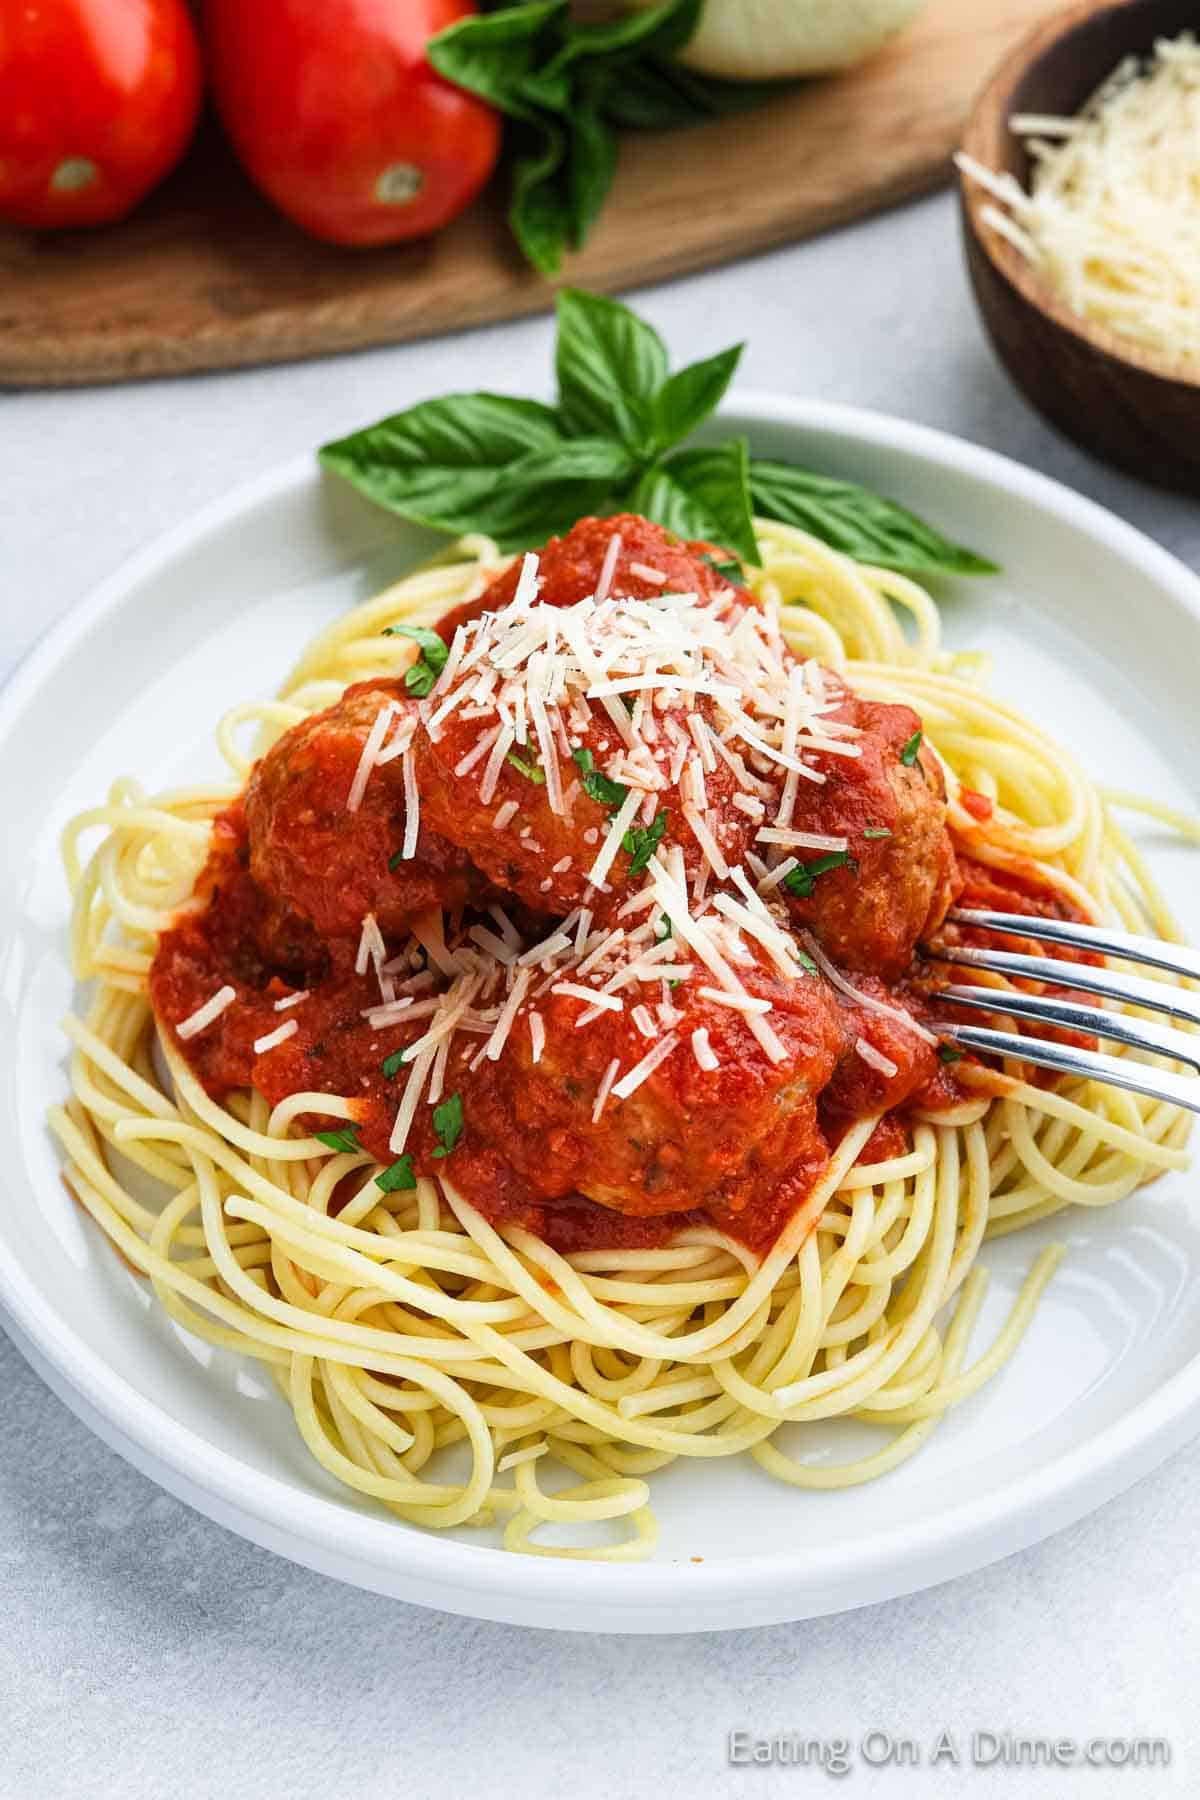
column 744, row 1588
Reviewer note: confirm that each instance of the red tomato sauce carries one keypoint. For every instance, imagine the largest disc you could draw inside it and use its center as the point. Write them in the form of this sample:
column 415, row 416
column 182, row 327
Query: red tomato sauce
column 239, row 940
column 516, row 1158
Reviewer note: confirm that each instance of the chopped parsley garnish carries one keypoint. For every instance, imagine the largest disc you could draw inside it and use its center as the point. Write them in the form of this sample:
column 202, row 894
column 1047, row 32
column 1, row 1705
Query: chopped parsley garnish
column 395, row 859
column 641, row 841
column 392, row 1065
column 911, row 750
column 432, row 660
column 802, row 879
column 529, row 770
column 728, row 568
column 600, row 787
column 663, row 930
column 346, row 1139
column 398, row 1177
column 806, row 962
column 448, row 1123
column 876, row 831
column 948, row 1054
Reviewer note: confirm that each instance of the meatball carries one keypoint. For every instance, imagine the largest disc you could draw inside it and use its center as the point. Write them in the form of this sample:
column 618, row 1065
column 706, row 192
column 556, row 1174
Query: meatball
column 545, row 857
column 889, row 802
column 570, row 568
column 543, row 852
column 330, row 865
column 687, row 1137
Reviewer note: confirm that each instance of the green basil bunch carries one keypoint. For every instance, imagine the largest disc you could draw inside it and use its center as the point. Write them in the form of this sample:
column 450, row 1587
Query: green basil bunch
column 567, row 89
column 522, row 471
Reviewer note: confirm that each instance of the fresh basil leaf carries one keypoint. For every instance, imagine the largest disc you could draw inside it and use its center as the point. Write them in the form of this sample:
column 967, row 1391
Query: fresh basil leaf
column 398, row 1177
column 432, row 647
column 862, row 525
column 479, row 462
column 702, row 494
column 461, row 443
column 912, row 749
column 604, row 790
column 420, row 676
column 654, row 95
column 545, row 494
column 345, row 1140
column 494, row 54
column 539, row 212
column 598, row 786
column 803, row 878
column 392, row 1065
column 641, row 842
column 948, row 1054
column 610, row 365
column 448, row 1123
column 593, row 158
column 686, row 398
column 529, row 770
column 662, row 29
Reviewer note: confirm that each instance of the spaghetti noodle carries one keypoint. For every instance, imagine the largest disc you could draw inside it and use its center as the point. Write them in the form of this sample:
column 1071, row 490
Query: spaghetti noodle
column 401, row 1323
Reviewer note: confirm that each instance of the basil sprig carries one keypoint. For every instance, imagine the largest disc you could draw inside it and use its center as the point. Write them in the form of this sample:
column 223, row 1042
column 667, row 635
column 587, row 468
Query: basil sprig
column 802, row 880
column 596, row 784
column 448, row 1124
column 422, row 674
column 522, row 472
column 566, row 89
column 641, row 841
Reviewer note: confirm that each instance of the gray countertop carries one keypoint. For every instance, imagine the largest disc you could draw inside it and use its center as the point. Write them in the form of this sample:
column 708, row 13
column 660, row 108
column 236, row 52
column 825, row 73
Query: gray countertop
column 145, row 1651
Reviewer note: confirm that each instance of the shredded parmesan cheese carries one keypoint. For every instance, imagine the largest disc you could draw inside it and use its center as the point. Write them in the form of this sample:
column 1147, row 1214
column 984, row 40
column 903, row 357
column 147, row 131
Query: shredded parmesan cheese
column 859, row 998
column 280, row 1035
column 1112, row 216
column 606, row 1081
column 204, row 1015
column 875, row 1059
column 370, row 751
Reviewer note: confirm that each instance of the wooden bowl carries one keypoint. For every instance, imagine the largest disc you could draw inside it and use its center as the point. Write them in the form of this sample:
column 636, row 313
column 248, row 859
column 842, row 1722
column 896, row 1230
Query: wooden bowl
column 1123, row 403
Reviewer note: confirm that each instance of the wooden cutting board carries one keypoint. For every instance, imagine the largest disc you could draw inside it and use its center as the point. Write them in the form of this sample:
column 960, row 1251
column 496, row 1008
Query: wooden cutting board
column 207, row 276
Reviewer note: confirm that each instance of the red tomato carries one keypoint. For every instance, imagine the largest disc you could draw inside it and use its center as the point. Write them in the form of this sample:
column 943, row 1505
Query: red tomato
column 337, row 116
column 98, row 99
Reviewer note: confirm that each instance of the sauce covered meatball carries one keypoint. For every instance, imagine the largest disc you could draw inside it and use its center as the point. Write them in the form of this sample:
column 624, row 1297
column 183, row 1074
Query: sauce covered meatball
column 728, row 1133
column 532, row 928
column 889, row 803
column 333, row 862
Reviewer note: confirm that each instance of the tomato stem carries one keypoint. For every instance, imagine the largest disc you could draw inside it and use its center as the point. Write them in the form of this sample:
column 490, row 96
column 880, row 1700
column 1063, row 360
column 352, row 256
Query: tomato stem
column 72, row 174
column 399, row 184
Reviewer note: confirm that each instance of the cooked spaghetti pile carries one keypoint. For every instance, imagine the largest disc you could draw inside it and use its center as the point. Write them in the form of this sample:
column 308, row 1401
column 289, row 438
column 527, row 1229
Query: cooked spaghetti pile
column 591, row 1113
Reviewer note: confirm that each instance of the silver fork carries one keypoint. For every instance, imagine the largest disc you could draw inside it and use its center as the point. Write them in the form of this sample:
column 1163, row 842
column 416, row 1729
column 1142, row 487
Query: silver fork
column 1048, row 1009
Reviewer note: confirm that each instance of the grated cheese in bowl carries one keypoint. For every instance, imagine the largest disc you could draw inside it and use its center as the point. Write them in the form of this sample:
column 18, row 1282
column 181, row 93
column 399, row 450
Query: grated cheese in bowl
column 1112, row 217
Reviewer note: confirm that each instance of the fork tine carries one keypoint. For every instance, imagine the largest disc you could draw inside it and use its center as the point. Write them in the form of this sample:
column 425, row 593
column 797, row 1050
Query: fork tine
column 1118, row 1071
column 1135, row 990
column 1177, row 959
column 1048, row 1009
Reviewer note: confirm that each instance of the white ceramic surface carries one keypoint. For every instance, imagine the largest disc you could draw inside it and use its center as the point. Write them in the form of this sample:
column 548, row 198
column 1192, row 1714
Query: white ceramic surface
column 1089, row 620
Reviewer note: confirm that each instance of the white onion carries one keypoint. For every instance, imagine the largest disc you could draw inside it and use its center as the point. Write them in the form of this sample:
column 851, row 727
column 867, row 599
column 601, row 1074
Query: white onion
column 764, row 40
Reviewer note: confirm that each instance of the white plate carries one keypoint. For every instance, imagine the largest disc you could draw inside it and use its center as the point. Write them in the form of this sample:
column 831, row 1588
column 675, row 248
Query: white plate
column 1093, row 629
